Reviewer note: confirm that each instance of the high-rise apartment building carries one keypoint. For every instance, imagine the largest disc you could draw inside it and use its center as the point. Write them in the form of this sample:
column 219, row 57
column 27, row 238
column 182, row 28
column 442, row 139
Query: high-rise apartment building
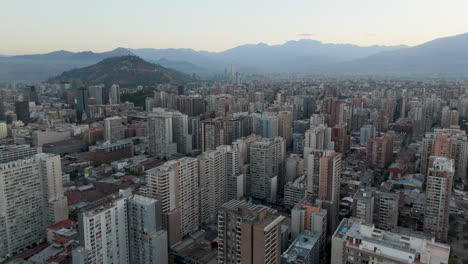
column 266, row 168
column 285, row 120
column 175, row 184
column 238, row 126
column 104, row 234
column 248, row 233
column 386, row 213
column 366, row 132
column 438, row 194
column 363, row 205
column 380, row 150
column 377, row 207
column 294, row 191
column 126, row 229
column 329, row 187
column 307, row 216
column 180, row 132
column 449, row 117
column 113, row 129
column 451, row 143
column 341, row 139
column 319, row 138
column 357, row 242
column 213, row 133
column 160, row 131
column 266, row 125
column 147, row 240
column 31, row 199
column 219, row 172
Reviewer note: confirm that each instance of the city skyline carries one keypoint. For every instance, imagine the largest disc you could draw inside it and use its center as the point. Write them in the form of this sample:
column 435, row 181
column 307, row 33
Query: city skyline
column 209, row 26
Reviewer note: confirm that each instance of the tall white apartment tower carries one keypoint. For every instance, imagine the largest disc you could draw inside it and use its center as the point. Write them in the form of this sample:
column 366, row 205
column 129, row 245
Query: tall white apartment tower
column 161, row 143
column 103, row 234
column 31, row 199
column 125, row 229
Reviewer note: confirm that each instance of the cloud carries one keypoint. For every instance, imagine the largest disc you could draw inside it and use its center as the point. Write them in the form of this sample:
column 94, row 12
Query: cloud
column 306, row 35
column 372, row 35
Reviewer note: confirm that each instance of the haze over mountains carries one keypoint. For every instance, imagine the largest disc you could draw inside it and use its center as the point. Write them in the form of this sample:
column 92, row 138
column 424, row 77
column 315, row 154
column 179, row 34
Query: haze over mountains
column 445, row 55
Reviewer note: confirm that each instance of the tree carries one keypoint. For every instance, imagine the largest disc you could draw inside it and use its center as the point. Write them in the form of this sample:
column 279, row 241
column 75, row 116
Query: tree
column 74, row 214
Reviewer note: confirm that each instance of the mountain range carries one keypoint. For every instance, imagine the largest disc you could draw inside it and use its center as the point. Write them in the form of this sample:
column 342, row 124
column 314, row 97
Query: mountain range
column 126, row 70
column 447, row 55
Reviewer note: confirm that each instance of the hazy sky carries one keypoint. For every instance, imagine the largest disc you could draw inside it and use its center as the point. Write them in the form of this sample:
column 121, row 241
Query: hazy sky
column 38, row 26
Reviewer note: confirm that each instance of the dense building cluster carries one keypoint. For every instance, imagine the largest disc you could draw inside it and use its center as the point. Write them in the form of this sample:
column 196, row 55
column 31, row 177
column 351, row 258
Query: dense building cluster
column 255, row 169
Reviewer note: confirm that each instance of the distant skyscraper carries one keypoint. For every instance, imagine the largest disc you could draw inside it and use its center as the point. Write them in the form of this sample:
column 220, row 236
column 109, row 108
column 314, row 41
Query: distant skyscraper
column 82, row 106
column 22, row 111
column 248, row 233
column 285, row 120
column 3, row 100
column 33, row 96
column 438, row 194
column 233, row 76
column 99, row 93
column 114, row 94
column 64, row 87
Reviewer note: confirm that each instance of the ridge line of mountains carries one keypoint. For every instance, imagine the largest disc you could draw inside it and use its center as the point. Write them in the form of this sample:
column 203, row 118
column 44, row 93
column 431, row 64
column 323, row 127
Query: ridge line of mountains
column 445, row 56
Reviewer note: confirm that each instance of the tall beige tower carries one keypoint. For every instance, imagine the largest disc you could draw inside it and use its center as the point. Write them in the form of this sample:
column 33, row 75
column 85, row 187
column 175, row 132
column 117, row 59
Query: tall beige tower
column 248, row 233
column 219, row 180
column 438, row 193
column 175, row 184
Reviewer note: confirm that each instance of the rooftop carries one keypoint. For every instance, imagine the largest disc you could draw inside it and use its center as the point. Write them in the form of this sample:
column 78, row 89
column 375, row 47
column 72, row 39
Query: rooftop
column 301, row 247
column 408, row 244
